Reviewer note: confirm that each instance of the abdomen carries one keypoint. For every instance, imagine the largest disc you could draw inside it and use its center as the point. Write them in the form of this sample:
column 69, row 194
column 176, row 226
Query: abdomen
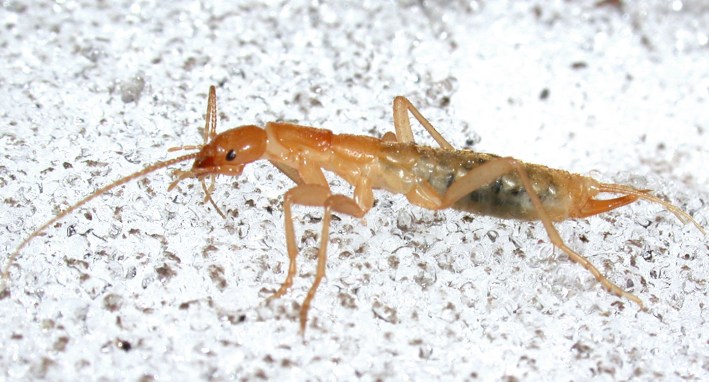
column 505, row 197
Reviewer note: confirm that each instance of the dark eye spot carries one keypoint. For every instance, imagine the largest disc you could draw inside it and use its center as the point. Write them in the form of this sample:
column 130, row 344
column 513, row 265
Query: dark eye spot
column 231, row 155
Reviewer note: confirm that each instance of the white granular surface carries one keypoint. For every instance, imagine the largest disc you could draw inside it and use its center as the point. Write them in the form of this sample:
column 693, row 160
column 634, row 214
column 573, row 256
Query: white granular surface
column 146, row 285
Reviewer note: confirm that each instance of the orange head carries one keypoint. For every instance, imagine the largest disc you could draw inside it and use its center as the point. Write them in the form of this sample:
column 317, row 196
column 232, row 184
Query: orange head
column 228, row 152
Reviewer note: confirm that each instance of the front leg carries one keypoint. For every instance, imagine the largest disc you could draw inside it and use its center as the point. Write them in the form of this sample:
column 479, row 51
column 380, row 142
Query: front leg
column 311, row 190
column 316, row 196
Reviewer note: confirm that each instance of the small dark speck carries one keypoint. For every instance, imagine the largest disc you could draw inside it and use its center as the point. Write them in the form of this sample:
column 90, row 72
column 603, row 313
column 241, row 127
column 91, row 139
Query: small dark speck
column 123, row 345
column 617, row 4
column 582, row 350
column 445, row 101
column 579, row 65
column 186, row 305
column 314, row 102
column 165, row 272
column 189, row 63
column 60, row 343
column 537, row 11
column 584, row 238
column 629, row 284
column 216, row 273
column 544, row 94
column 67, row 165
column 236, row 319
column 393, row 262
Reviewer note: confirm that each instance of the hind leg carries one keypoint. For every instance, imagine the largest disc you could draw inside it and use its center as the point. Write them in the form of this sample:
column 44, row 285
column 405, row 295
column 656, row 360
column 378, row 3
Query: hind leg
column 491, row 171
column 494, row 169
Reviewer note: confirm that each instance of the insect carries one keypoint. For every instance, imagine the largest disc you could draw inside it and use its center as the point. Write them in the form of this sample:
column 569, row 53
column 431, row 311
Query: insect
column 433, row 178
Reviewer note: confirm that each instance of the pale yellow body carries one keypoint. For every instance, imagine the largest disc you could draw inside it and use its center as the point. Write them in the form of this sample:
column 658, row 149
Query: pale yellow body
column 424, row 174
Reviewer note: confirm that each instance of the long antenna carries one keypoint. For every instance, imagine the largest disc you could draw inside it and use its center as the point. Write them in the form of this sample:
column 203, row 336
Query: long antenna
column 92, row 196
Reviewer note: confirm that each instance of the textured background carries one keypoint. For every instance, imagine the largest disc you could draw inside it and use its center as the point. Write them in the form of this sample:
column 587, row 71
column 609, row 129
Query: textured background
column 148, row 285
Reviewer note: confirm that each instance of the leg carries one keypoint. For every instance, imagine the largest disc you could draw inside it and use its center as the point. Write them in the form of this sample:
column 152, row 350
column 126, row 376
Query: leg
column 315, row 195
column 403, row 127
column 297, row 195
column 342, row 204
column 496, row 168
column 312, row 193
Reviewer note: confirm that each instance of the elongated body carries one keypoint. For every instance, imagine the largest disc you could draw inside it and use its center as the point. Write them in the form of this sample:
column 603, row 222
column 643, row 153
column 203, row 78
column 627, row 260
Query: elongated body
column 413, row 170
column 434, row 178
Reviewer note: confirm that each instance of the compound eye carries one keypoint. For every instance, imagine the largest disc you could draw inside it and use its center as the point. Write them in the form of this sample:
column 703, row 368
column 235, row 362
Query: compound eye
column 231, row 155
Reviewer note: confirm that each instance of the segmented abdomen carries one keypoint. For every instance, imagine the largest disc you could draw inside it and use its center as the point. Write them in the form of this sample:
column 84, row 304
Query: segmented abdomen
column 506, row 197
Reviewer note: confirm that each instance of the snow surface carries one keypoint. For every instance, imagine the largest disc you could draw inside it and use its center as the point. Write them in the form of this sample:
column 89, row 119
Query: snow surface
column 145, row 285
